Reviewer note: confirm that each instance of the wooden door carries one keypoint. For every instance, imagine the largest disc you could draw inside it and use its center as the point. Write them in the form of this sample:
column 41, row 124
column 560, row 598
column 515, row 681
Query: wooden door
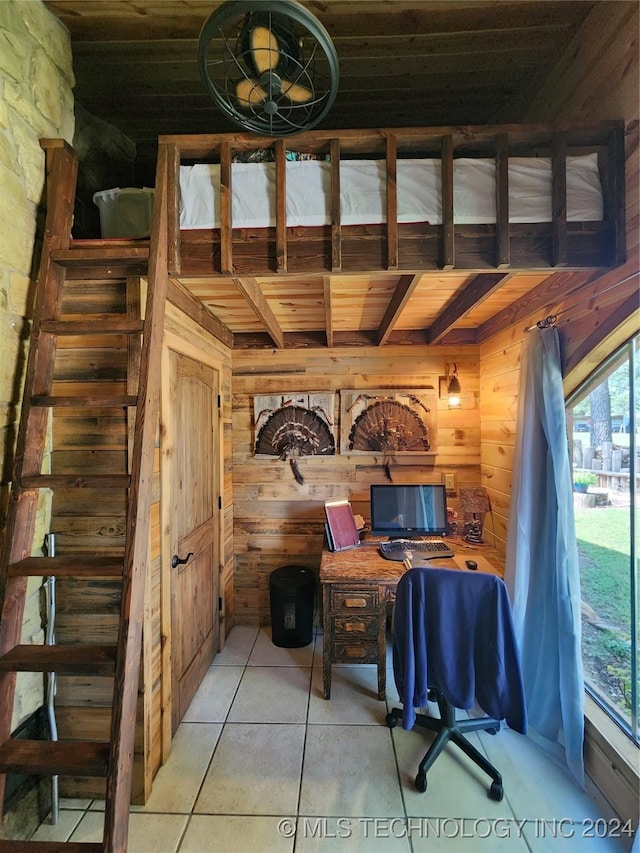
column 194, row 527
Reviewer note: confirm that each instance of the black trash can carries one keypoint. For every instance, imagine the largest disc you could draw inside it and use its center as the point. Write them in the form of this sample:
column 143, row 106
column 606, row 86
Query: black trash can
column 292, row 594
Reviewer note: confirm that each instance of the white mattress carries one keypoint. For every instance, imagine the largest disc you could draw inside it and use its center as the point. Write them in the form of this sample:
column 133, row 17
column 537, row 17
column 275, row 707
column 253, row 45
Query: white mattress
column 363, row 192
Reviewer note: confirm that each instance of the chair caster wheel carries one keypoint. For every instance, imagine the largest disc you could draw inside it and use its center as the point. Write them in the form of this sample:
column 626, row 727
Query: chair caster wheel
column 496, row 791
column 391, row 720
column 421, row 782
column 493, row 731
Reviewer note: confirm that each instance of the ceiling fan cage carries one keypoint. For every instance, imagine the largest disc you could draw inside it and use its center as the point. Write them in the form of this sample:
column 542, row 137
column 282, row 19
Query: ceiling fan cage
column 270, row 67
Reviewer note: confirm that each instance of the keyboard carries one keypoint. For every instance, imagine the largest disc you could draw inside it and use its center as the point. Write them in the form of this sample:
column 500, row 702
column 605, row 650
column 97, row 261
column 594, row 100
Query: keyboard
column 424, row 547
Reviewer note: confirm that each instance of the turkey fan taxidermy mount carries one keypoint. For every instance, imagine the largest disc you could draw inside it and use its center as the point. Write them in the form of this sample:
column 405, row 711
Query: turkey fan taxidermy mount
column 269, row 65
column 295, row 431
column 388, row 426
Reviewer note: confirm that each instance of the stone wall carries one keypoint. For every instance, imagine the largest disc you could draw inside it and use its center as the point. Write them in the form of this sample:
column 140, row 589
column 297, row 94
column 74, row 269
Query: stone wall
column 36, row 101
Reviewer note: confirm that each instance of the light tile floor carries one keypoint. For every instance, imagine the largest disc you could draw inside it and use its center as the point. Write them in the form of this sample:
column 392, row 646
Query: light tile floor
column 262, row 762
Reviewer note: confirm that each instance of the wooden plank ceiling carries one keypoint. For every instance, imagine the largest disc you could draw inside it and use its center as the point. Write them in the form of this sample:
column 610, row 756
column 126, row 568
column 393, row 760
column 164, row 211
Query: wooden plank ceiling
column 402, row 63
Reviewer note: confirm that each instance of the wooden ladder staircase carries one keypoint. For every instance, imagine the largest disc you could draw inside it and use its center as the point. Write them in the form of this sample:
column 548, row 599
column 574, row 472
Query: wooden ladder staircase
column 65, row 266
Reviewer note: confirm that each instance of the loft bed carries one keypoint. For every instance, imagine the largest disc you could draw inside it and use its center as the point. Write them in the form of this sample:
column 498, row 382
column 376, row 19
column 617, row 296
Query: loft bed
column 414, row 199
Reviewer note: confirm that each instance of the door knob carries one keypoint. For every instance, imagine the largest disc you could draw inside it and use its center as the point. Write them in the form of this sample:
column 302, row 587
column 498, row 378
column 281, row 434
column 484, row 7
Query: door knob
column 176, row 561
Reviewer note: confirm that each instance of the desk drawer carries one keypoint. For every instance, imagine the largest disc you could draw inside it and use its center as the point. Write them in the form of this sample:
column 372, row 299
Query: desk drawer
column 343, row 651
column 348, row 625
column 361, row 600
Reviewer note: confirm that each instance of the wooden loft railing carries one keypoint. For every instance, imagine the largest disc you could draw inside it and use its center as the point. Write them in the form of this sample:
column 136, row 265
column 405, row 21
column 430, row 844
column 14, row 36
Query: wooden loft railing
column 400, row 246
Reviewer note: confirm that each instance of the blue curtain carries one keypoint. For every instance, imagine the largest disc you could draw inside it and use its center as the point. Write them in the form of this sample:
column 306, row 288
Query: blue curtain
column 542, row 572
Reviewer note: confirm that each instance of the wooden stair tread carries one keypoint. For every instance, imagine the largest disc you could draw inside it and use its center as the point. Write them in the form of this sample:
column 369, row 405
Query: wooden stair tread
column 71, row 566
column 67, row 659
column 116, row 401
column 52, row 758
column 101, row 255
column 77, row 481
column 99, row 242
column 50, row 847
column 91, row 326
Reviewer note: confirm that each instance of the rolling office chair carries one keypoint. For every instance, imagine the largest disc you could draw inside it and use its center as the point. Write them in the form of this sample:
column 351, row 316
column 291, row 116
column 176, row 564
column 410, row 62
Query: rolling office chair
column 453, row 643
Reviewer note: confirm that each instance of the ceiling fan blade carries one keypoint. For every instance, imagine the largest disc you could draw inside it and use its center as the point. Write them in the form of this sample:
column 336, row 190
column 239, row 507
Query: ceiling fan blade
column 264, row 49
column 249, row 94
column 296, row 93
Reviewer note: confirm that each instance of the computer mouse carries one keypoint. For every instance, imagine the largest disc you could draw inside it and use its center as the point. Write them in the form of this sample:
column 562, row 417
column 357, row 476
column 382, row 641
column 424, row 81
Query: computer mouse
column 471, row 564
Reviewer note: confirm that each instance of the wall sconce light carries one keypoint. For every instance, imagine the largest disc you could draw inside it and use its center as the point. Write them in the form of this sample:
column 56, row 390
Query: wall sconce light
column 453, row 386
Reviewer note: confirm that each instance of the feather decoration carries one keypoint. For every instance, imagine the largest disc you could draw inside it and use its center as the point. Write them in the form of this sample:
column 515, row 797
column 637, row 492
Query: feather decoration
column 294, row 430
column 388, row 425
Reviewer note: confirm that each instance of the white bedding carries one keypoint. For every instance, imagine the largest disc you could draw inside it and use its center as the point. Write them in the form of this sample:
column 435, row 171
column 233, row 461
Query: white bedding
column 363, row 192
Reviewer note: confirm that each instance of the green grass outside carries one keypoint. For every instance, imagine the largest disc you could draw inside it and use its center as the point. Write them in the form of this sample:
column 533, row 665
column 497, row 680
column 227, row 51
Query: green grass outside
column 604, row 550
column 603, row 541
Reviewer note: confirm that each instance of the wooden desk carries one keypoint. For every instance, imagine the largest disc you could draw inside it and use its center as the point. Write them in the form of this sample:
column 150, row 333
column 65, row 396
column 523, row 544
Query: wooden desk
column 357, row 585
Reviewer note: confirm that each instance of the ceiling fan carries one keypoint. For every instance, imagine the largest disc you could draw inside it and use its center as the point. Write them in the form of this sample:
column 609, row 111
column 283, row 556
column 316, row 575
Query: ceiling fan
column 271, row 67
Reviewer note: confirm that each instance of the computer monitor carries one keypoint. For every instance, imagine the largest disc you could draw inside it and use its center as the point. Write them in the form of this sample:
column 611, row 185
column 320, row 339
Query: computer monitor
column 402, row 512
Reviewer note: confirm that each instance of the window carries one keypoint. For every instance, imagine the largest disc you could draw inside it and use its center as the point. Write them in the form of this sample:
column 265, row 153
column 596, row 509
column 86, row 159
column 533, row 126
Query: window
column 604, row 431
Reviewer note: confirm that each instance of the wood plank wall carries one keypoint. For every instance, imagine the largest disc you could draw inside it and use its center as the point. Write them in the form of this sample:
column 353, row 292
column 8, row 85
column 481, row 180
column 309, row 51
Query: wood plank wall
column 83, row 705
column 596, row 79
column 280, row 522
column 97, row 439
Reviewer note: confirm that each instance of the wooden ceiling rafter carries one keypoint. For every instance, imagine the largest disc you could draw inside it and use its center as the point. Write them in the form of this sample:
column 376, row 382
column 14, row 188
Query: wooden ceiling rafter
column 475, row 291
column 401, row 296
column 250, row 289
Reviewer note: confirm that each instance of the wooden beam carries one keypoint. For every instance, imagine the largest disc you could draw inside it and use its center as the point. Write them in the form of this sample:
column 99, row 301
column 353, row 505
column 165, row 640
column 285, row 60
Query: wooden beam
column 416, row 139
column 328, row 312
column 250, row 289
column 616, row 148
column 281, row 206
column 179, row 296
column 448, row 249
column 503, row 242
column 472, row 294
column 354, row 338
column 392, row 203
column 559, row 199
column 226, row 223
column 173, row 208
column 403, row 292
column 336, row 214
